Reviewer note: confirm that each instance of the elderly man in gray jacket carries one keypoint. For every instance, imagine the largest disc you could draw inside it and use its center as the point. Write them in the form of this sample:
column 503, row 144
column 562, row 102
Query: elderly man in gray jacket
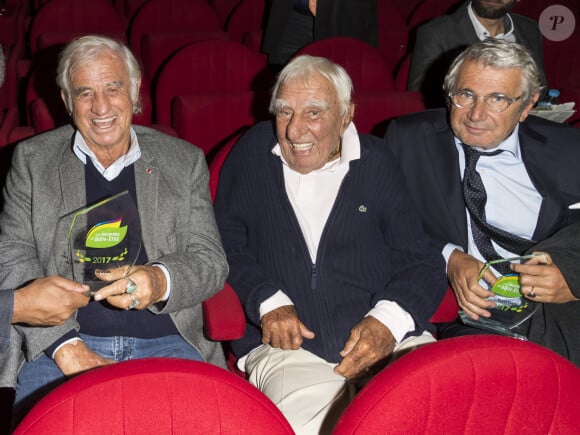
column 152, row 309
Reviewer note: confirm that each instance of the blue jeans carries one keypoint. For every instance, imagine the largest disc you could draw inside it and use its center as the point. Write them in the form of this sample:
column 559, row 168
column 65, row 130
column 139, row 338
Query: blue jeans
column 37, row 378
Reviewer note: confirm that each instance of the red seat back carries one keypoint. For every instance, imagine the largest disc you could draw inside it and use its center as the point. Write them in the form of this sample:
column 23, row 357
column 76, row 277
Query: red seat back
column 171, row 16
column 373, row 110
column 208, row 67
column 156, row 396
column 210, row 120
column 76, row 18
column 156, row 48
column 478, row 384
column 365, row 64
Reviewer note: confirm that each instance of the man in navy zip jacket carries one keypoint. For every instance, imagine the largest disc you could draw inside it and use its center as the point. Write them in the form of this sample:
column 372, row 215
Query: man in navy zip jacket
column 325, row 250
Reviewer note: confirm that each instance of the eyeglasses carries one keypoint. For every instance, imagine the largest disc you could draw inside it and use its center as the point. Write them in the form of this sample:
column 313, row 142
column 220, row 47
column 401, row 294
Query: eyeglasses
column 494, row 102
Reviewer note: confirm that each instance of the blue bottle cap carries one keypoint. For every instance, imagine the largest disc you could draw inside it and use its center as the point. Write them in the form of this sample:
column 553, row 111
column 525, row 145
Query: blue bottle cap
column 554, row 93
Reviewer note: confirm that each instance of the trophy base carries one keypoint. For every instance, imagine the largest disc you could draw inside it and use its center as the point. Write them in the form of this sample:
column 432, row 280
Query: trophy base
column 491, row 326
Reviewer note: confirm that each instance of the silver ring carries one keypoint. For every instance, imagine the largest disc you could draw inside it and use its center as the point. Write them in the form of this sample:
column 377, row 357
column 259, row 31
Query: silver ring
column 134, row 302
column 131, row 286
column 532, row 294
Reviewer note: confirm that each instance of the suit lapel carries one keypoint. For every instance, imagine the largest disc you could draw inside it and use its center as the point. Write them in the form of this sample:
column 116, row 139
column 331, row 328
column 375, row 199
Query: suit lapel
column 533, row 147
column 464, row 24
column 72, row 182
column 71, row 172
column 446, row 167
column 147, row 185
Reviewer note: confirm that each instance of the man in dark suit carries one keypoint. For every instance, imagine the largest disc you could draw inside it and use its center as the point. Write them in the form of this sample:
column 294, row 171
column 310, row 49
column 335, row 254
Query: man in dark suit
column 529, row 188
column 440, row 40
column 292, row 24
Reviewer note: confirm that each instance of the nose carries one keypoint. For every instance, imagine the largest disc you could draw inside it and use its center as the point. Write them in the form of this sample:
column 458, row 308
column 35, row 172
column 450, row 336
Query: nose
column 296, row 127
column 100, row 103
column 478, row 111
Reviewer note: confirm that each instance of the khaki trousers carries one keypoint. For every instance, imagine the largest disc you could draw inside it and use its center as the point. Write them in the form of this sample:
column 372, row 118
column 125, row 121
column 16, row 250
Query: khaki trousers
column 305, row 388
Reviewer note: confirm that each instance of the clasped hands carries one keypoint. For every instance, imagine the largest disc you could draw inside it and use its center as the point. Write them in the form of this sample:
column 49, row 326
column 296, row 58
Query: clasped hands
column 76, row 357
column 541, row 281
column 369, row 344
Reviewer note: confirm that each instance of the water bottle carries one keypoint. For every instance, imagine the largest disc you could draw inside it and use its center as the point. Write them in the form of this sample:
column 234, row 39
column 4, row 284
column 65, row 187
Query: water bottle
column 553, row 95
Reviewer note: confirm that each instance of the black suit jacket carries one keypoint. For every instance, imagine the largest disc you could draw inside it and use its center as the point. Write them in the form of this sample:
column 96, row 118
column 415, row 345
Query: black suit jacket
column 354, row 18
column 424, row 145
column 556, row 326
column 440, row 40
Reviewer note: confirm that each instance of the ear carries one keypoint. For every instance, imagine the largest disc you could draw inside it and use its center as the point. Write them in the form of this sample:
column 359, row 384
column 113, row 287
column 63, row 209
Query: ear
column 530, row 105
column 65, row 101
column 347, row 118
column 138, row 86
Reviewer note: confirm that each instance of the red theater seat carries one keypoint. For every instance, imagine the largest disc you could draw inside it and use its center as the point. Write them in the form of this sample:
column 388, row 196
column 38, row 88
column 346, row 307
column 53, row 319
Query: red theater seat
column 171, row 16
column 216, row 66
column 155, row 396
column 210, row 120
column 156, row 48
column 481, row 384
column 373, row 110
column 75, row 18
column 368, row 69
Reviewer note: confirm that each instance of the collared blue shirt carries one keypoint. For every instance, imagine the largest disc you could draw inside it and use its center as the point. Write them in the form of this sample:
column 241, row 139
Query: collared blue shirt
column 513, row 203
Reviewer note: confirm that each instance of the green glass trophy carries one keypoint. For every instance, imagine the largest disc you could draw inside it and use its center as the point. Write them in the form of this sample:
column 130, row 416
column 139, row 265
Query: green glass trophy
column 512, row 310
column 102, row 236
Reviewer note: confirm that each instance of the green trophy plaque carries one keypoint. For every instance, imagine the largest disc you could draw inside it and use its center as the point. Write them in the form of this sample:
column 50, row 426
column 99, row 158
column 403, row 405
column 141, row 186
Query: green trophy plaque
column 511, row 309
column 102, row 236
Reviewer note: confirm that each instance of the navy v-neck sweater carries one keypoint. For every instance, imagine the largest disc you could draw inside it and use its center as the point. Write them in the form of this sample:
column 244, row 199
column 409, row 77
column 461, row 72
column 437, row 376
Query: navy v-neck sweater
column 100, row 318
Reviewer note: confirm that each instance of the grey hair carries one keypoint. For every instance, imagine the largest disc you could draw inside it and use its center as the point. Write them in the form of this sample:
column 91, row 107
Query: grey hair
column 2, row 67
column 89, row 48
column 499, row 54
column 303, row 67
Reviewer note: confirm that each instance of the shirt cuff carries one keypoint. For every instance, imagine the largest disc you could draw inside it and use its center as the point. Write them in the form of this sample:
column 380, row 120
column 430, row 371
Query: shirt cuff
column 277, row 300
column 448, row 250
column 167, row 280
column 69, row 337
column 390, row 314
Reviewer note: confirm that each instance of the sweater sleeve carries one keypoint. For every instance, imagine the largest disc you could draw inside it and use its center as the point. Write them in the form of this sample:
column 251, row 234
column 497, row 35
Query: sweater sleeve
column 239, row 184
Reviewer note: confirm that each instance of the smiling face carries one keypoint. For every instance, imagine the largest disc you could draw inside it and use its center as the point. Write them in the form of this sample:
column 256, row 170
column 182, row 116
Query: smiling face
column 477, row 126
column 102, row 109
column 309, row 122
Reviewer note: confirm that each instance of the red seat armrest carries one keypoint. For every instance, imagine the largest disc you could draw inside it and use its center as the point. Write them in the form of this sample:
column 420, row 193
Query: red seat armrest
column 447, row 311
column 223, row 316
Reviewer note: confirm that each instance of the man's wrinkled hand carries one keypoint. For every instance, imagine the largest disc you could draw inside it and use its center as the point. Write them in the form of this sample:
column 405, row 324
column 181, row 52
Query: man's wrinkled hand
column 150, row 282
column 462, row 272
column 369, row 345
column 281, row 328
column 74, row 358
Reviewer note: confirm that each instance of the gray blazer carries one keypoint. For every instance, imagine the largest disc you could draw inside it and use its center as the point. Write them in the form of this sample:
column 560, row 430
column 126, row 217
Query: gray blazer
column 440, row 40
column 46, row 181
